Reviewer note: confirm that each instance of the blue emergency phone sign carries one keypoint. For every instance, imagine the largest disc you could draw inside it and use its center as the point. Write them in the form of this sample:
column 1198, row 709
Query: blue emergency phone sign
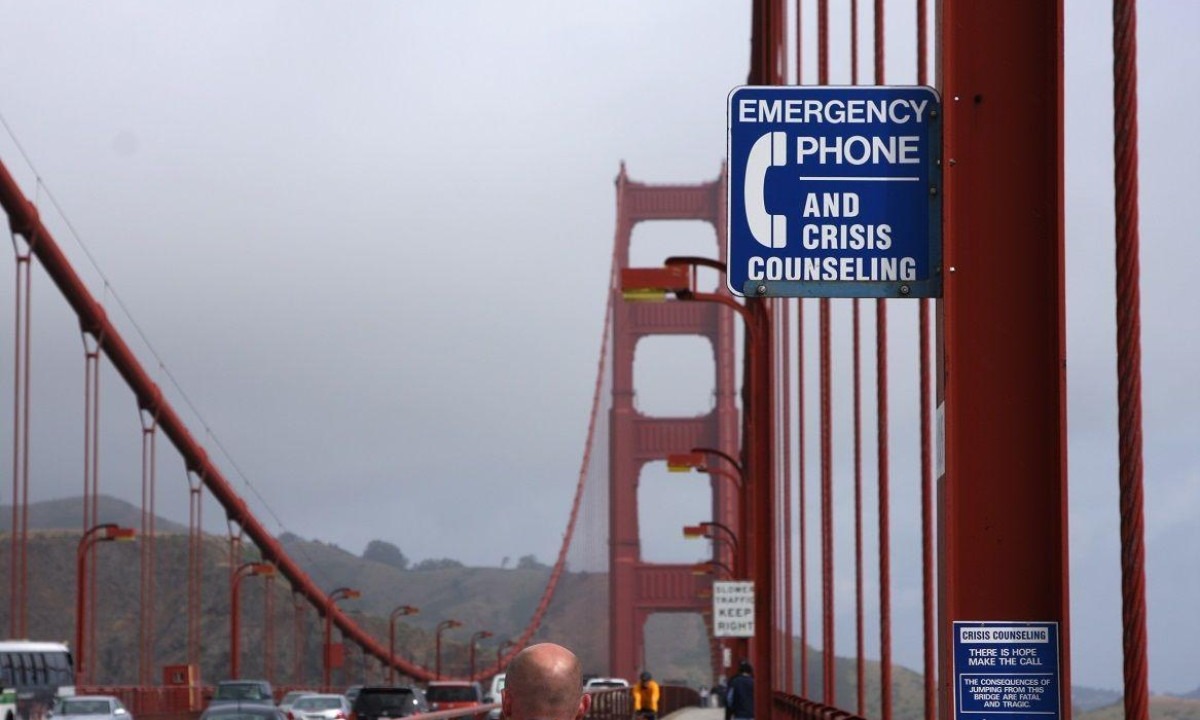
column 834, row 191
column 1006, row 670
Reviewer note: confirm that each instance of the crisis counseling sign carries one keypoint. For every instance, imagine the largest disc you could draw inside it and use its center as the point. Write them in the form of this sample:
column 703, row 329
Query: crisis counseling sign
column 834, row 191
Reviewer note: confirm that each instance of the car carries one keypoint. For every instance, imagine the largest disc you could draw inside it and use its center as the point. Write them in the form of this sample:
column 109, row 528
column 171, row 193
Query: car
column 91, row 707
column 352, row 693
column 233, row 692
column 387, row 701
column 453, row 694
column 320, row 707
column 243, row 710
column 494, row 695
column 605, row 683
column 285, row 703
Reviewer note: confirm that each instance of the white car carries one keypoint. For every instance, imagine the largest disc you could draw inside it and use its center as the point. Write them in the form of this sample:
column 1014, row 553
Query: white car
column 493, row 696
column 605, row 683
column 320, row 707
column 285, row 704
column 91, row 707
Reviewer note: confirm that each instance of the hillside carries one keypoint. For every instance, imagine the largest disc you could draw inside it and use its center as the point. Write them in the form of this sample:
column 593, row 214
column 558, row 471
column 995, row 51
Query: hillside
column 1162, row 707
column 67, row 514
column 501, row 601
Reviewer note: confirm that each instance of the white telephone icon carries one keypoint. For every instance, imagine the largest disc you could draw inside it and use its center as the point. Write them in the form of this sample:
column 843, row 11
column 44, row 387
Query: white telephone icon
column 768, row 151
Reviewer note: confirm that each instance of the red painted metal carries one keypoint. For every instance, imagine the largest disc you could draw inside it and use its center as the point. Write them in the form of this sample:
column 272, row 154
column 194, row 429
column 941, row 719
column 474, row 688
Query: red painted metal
column 475, row 638
column 883, row 480
column 924, row 365
column 195, row 539
column 108, row 532
column 784, row 438
column 1129, row 358
column 298, row 605
column 669, row 278
column 91, row 472
column 24, row 221
column 638, row 589
column 20, row 475
column 442, row 626
column 397, row 612
column 828, row 674
column 332, row 656
column 1004, row 491
column 927, row 558
column 768, row 61
column 269, row 627
column 859, row 654
column 881, row 412
column 147, row 615
column 242, row 571
column 801, row 505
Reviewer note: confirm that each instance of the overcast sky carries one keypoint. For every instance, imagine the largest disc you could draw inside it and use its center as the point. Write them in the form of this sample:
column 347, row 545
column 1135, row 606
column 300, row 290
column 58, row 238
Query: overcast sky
column 371, row 243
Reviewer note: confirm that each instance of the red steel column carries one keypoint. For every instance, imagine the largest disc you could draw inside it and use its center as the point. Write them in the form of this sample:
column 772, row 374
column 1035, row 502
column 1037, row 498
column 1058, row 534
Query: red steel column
column 1003, row 495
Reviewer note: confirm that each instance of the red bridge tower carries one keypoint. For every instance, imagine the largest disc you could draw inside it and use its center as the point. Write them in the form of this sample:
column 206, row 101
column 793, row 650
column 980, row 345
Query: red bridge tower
column 638, row 589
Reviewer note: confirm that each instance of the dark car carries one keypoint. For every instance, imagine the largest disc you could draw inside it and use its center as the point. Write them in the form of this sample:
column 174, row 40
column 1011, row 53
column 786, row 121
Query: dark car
column 233, row 692
column 375, row 702
column 453, row 694
column 243, row 711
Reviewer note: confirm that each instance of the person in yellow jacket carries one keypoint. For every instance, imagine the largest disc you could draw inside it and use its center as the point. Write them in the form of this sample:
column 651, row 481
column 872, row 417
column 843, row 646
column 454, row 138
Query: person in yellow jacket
column 645, row 697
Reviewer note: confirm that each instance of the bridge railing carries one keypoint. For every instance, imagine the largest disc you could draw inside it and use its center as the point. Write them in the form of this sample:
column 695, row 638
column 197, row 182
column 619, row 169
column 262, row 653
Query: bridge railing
column 798, row 708
column 677, row 697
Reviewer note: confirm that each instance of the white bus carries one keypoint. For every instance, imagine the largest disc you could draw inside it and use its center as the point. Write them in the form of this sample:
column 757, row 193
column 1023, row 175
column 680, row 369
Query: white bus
column 33, row 676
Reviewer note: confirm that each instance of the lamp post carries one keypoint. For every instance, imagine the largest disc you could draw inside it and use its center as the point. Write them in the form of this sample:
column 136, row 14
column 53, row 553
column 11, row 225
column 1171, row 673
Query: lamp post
column 701, row 530
column 678, row 276
column 708, row 567
column 758, row 437
column 443, row 625
column 471, row 651
column 500, row 654
column 342, row 593
column 107, row 532
column 397, row 612
column 243, row 571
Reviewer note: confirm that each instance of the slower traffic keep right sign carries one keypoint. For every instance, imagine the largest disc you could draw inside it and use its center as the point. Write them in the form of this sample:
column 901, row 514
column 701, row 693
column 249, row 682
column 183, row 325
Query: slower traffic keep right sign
column 733, row 608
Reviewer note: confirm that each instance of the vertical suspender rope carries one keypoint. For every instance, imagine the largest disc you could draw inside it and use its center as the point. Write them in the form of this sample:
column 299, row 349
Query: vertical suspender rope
column 194, row 549
column 827, row 620
column 785, row 341
column 881, row 403
column 860, row 660
column 146, row 634
column 1129, row 357
column 926, row 461
column 91, row 482
column 801, row 505
column 20, row 474
column 801, row 459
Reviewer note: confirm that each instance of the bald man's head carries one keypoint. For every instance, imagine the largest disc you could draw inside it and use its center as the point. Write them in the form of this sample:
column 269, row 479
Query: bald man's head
column 545, row 682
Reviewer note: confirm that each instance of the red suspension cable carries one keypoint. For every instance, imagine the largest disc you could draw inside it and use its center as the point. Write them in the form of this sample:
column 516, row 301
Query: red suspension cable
column 881, row 403
column 860, row 658
column 1129, row 357
column 827, row 619
column 785, row 342
column 926, row 460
